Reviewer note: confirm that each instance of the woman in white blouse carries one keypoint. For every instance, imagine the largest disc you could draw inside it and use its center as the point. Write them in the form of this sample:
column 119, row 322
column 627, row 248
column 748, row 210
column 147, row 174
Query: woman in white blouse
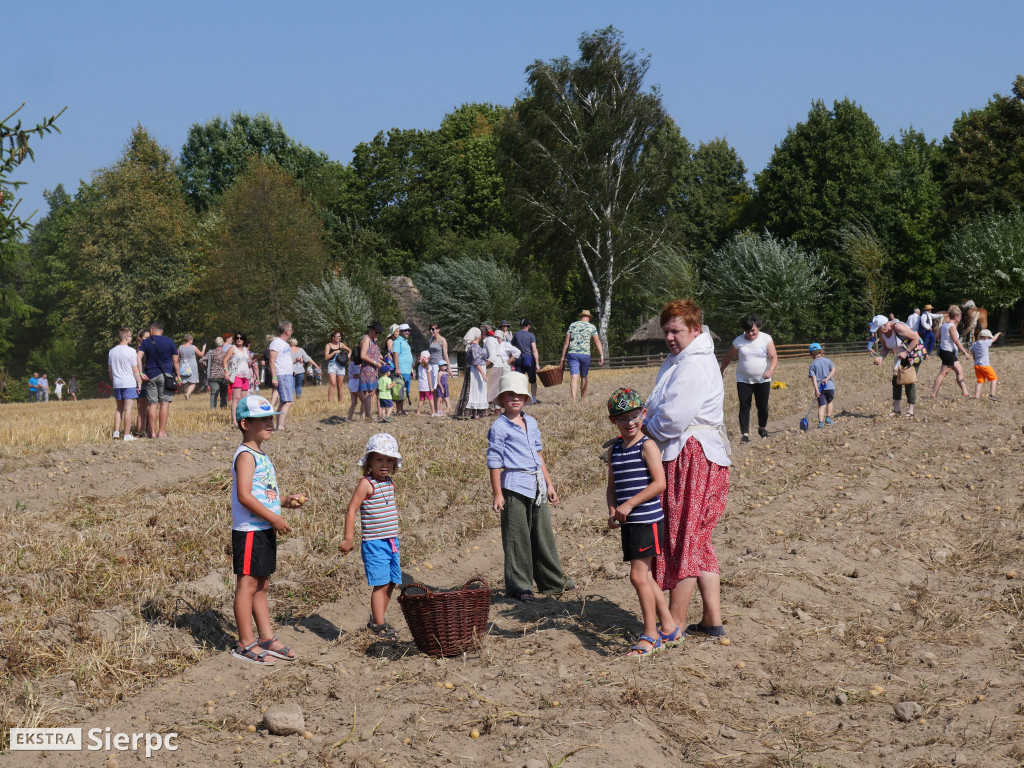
column 757, row 361
column 684, row 417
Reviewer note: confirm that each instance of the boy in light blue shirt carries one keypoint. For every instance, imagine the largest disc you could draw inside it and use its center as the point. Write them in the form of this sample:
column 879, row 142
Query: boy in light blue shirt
column 822, row 375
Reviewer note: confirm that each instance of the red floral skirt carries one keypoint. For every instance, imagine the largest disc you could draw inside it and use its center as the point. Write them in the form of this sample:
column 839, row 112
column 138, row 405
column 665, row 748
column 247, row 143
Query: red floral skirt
column 694, row 501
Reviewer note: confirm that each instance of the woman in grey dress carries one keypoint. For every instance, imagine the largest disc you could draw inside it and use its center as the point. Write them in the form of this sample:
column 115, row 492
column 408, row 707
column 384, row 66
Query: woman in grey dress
column 438, row 349
column 190, row 357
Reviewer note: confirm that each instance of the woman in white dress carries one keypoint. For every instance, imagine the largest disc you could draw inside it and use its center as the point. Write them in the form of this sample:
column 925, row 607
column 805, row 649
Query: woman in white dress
column 497, row 361
column 476, row 364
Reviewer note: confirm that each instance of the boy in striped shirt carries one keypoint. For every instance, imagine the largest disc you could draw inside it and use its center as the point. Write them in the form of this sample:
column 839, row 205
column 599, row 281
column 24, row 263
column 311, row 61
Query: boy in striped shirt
column 636, row 480
column 374, row 499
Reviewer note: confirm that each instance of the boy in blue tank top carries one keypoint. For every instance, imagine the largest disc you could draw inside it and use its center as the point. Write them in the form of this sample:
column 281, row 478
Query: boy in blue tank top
column 256, row 521
column 636, row 479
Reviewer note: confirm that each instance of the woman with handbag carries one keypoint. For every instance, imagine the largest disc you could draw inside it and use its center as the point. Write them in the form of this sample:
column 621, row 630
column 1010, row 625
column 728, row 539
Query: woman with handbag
column 336, row 363
column 905, row 345
column 190, row 357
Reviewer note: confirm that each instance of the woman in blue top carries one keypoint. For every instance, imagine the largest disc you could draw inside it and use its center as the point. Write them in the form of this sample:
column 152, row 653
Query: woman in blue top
column 401, row 355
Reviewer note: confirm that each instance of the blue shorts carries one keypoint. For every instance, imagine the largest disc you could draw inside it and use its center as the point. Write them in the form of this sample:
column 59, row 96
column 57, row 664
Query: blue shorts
column 126, row 393
column 386, row 403
column 286, row 387
column 381, row 561
column 579, row 365
column 826, row 396
column 335, row 368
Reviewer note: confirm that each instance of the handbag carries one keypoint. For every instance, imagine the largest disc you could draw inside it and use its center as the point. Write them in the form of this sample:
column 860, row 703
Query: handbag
column 170, row 383
column 186, row 369
column 905, row 374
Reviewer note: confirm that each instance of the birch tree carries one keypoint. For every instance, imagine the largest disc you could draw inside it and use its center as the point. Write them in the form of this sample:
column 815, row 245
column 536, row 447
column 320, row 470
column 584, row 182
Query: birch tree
column 589, row 155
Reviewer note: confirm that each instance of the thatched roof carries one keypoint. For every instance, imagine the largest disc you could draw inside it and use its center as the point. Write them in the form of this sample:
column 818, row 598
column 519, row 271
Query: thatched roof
column 407, row 296
column 651, row 331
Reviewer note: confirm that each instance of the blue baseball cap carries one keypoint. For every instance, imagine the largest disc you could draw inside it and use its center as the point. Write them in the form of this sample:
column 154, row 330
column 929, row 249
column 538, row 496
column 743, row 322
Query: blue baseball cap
column 254, row 407
column 815, row 347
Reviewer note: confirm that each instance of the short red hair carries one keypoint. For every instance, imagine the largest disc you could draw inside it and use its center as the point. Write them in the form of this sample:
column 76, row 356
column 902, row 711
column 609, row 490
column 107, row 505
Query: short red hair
column 685, row 309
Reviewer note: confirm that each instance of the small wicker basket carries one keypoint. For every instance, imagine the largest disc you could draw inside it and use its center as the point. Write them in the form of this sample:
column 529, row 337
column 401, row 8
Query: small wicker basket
column 446, row 623
column 550, row 377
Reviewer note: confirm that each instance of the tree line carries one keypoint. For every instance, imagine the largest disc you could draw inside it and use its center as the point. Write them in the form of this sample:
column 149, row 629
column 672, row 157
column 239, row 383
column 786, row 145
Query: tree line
column 583, row 193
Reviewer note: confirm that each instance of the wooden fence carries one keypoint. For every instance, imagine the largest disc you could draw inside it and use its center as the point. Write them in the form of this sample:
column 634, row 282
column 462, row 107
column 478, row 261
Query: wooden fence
column 785, row 351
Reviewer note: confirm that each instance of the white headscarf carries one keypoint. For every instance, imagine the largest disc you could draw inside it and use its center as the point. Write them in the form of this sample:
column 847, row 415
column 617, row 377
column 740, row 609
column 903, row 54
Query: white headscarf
column 471, row 335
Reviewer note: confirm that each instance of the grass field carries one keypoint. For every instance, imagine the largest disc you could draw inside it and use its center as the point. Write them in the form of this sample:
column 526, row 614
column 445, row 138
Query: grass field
column 99, row 581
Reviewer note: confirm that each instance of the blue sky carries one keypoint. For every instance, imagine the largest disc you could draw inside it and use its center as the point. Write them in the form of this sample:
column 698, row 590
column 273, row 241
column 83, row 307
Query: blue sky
column 335, row 73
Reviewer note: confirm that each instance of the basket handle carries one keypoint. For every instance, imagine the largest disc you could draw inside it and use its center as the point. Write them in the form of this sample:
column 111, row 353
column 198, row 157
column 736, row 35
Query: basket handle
column 475, row 580
column 417, row 585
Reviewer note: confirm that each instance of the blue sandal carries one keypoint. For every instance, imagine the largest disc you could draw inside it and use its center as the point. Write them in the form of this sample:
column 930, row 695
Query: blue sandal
column 718, row 631
column 638, row 650
column 673, row 638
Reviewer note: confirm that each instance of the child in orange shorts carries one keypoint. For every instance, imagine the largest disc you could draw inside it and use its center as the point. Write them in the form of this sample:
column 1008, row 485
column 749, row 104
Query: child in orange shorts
column 982, row 369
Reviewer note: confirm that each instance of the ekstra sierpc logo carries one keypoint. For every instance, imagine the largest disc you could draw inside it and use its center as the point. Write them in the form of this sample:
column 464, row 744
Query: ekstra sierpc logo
column 70, row 740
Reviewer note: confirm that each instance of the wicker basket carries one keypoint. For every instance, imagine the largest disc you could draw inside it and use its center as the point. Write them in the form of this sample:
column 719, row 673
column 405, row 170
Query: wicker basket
column 550, row 377
column 446, row 623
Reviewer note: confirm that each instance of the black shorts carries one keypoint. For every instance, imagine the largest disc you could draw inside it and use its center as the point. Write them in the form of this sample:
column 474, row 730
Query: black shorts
column 947, row 357
column 826, row 396
column 642, row 540
column 526, row 364
column 254, row 553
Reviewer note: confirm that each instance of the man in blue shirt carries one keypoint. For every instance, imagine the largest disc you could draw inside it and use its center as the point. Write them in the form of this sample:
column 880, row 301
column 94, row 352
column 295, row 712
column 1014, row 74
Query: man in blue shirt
column 33, row 388
column 158, row 361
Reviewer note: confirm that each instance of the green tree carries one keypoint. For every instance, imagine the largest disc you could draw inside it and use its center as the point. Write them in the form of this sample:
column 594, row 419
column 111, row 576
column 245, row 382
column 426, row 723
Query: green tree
column 421, row 185
column 589, row 158
column 710, row 197
column 984, row 159
column 985, row 257
column 16, row 148
column 907, row 224
column 265, row 243
column 216, row 152
column 826, row 172
column 135, row 243
column 462, row 291
column 871, row 264
column 334, row 303
column 778, row 280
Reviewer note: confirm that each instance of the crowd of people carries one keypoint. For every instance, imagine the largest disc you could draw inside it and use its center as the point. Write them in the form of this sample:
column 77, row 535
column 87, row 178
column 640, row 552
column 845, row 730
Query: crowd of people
column 668, row 469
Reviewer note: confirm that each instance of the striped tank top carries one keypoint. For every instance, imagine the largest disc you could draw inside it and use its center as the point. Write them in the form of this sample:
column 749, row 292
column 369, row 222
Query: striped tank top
column 630, row 473
column 378, row 514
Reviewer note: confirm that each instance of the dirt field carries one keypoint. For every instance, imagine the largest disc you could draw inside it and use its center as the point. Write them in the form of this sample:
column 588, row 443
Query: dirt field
column 865, row 566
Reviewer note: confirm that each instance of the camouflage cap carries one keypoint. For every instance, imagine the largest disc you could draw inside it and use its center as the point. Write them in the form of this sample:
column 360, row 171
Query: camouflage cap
column 624, row 400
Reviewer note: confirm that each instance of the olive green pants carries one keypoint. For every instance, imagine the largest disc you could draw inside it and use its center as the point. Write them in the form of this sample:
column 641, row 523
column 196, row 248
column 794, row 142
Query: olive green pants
column 529, row 545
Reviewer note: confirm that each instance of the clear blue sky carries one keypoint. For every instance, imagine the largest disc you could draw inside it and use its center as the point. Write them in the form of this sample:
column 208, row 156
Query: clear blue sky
column 335, row 73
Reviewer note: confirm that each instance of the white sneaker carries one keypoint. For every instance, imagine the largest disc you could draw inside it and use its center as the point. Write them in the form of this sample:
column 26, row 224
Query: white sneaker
column 129, row 438
column 117, row 435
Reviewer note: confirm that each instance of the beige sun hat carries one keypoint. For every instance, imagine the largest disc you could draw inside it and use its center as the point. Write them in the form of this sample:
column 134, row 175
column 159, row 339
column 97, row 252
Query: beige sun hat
column 516, row 383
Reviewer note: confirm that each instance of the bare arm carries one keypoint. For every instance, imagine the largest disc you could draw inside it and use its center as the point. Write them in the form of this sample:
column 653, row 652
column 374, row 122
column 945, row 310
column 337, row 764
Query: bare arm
column 773, row 360
column 499, row 496
column 609, row 497
column 955, row 336
column 363, row 489
column 444, row 352
column 552, row 495
column 565, row 347
column 600, row 349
